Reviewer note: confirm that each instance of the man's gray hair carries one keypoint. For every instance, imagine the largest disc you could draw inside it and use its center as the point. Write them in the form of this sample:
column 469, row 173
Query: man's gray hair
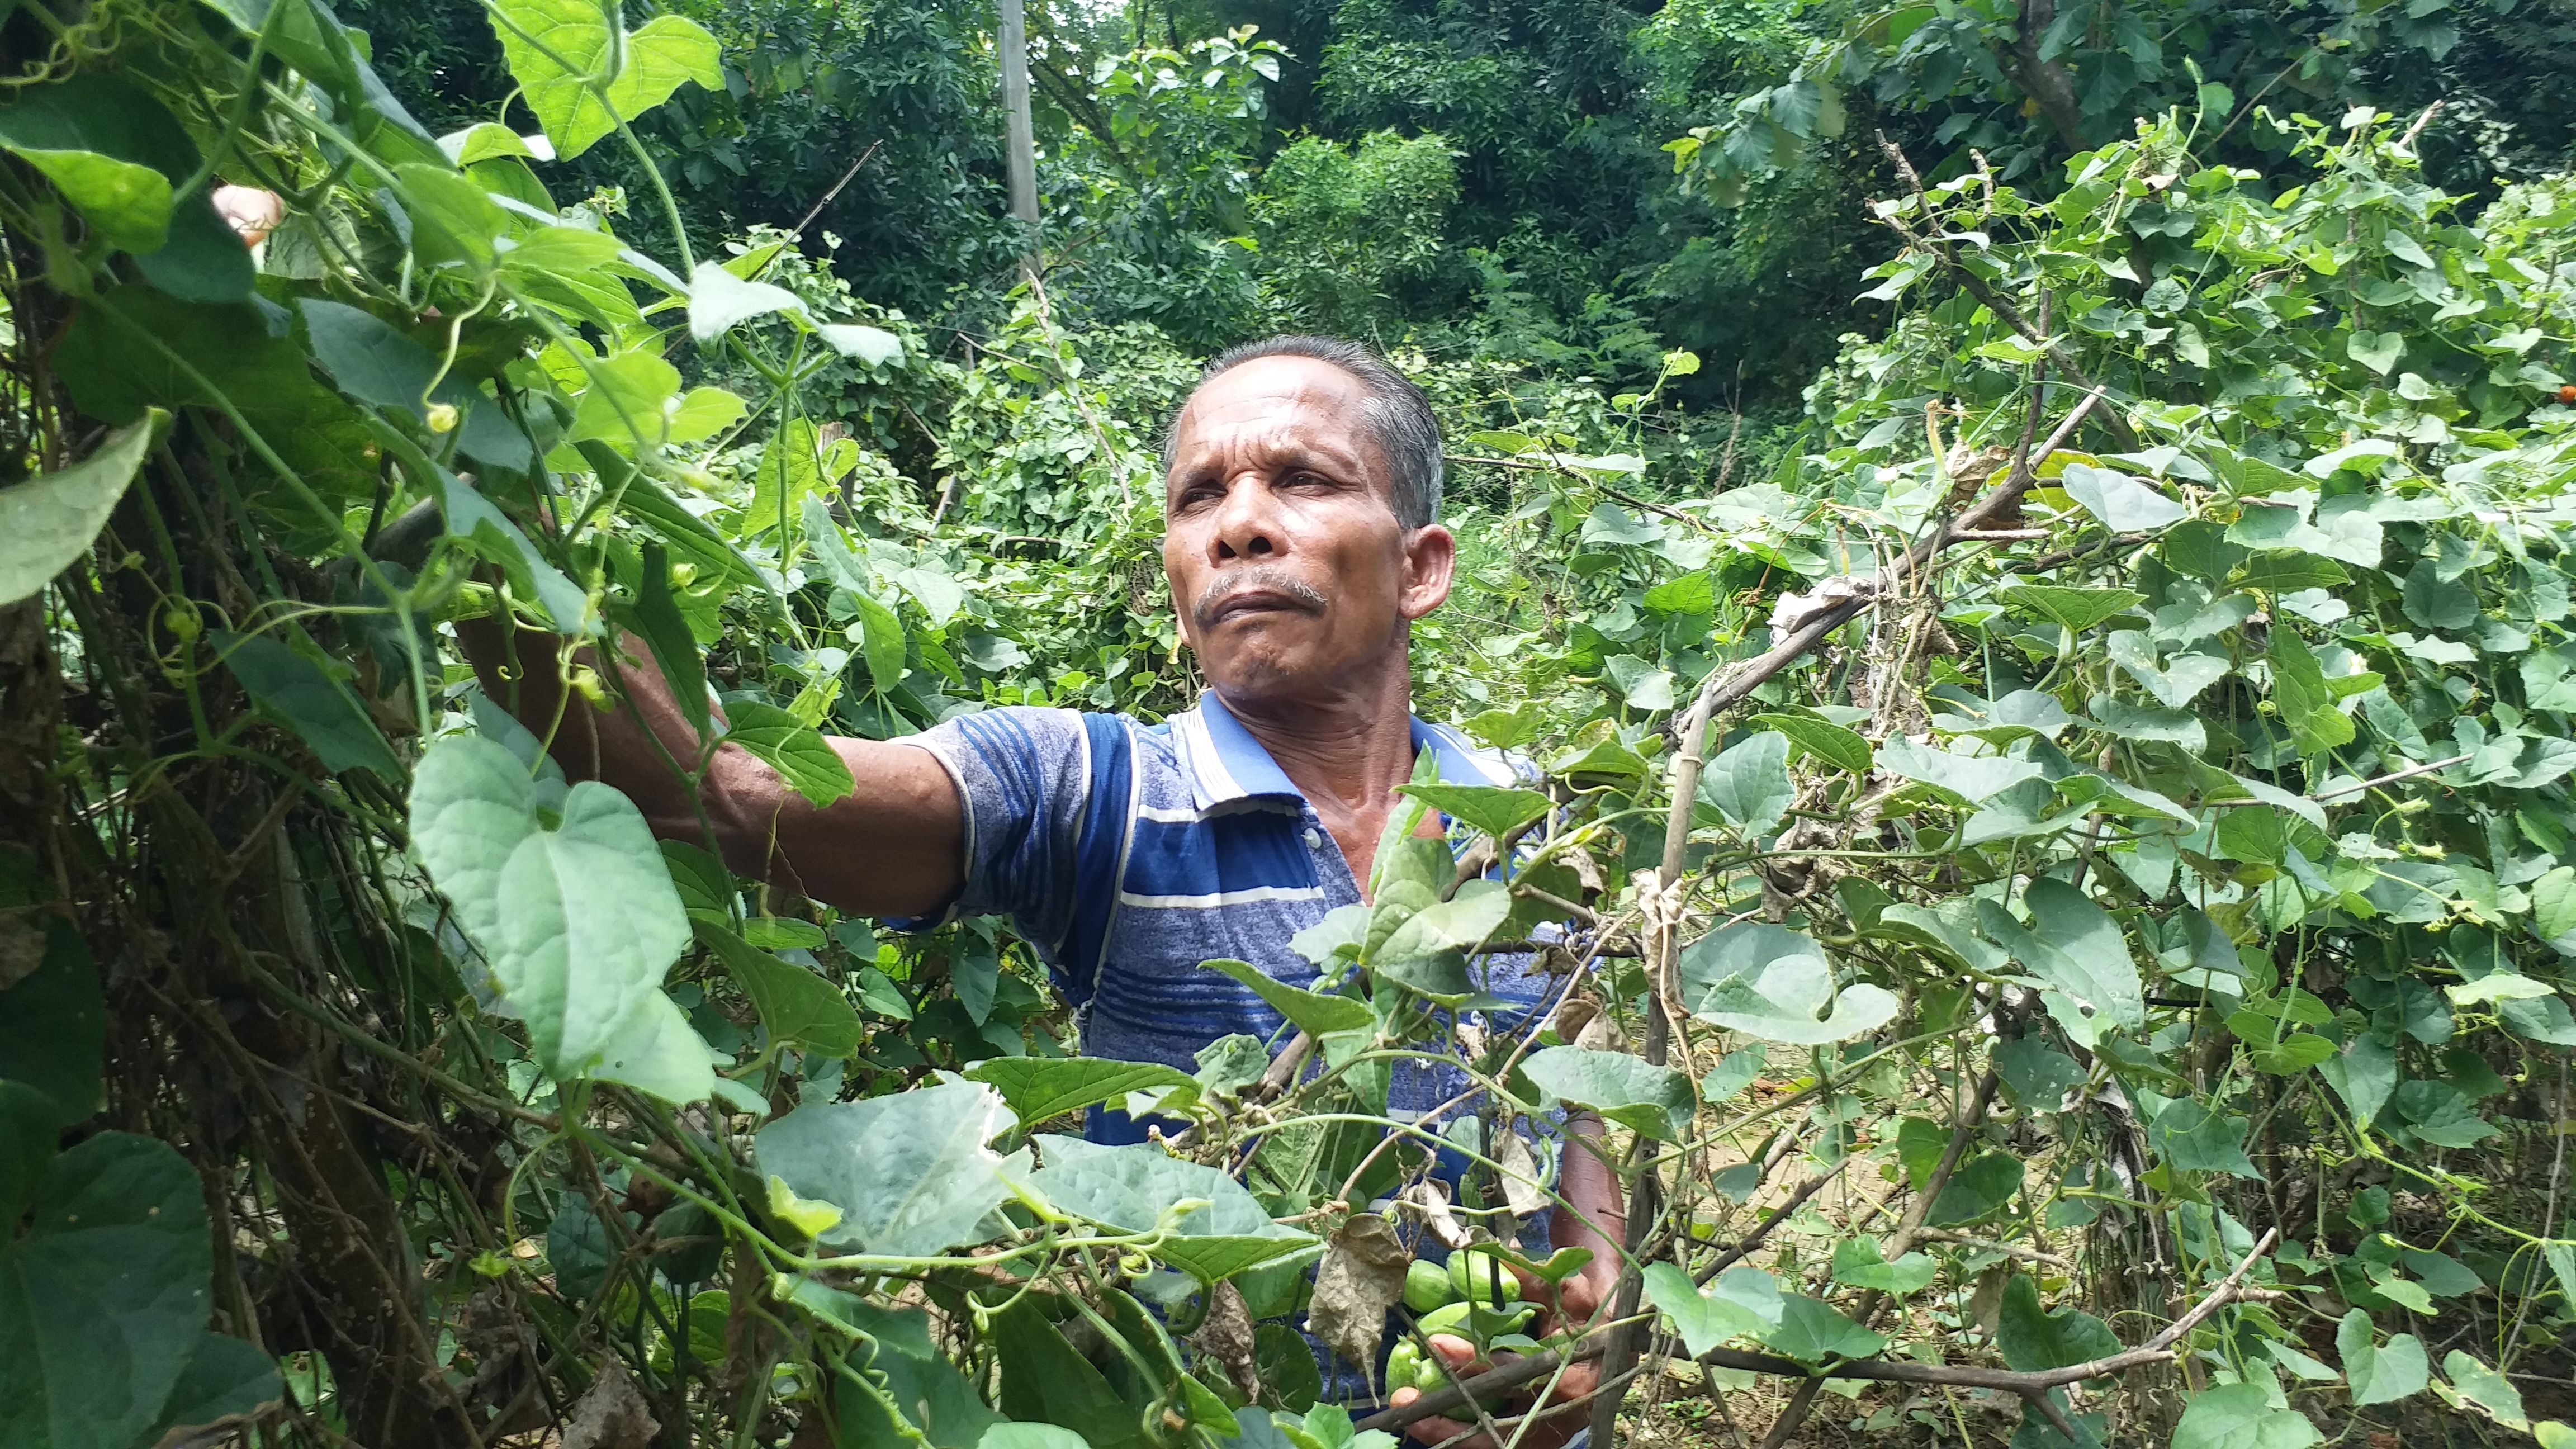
column 1397, row 415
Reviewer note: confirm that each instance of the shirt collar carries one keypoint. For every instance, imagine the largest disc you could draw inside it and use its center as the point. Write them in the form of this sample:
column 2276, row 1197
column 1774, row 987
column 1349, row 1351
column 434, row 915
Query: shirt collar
column 1225, row 764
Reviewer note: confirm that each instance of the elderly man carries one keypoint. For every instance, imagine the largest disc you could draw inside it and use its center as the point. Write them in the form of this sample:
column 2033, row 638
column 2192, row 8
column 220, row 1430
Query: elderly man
column 1302, row 481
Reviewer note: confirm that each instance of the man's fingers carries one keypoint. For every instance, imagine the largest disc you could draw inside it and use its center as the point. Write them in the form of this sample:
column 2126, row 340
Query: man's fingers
column 1437, row 1430
column 1579, row 1296
column 1461, row 1353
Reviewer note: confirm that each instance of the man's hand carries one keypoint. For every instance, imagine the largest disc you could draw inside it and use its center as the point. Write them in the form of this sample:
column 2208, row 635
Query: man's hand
column 891, row 847
column 1570, row 1306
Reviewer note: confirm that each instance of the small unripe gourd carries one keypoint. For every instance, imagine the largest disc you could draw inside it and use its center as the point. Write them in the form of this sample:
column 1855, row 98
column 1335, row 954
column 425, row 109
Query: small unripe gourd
column 1472, row 1277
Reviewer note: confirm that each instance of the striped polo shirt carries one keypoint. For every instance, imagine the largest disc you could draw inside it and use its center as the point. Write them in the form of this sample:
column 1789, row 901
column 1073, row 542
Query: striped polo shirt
column 1128, row 854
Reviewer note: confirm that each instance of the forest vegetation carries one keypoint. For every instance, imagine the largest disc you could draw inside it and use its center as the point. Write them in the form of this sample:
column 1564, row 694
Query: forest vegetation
column 2028, row 545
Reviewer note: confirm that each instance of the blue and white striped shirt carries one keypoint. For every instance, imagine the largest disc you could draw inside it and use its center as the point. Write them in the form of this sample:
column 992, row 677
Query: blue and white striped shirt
column 1128, row 854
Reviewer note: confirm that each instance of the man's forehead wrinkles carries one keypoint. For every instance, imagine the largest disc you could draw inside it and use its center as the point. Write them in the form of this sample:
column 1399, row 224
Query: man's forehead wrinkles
column 1284, row 440
column 1311, row 435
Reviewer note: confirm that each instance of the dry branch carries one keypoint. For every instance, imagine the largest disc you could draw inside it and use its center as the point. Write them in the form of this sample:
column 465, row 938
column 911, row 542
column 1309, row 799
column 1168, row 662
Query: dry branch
column 1977, row 287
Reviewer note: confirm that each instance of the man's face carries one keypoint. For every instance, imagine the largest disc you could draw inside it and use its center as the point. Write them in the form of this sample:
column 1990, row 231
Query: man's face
column 1291, row 575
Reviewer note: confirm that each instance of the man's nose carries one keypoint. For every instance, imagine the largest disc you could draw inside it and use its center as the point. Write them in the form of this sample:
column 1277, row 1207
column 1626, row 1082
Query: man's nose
column 1247, row 522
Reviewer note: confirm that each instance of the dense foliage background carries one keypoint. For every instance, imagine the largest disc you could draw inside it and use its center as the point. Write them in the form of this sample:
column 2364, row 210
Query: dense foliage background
column 2031, row 543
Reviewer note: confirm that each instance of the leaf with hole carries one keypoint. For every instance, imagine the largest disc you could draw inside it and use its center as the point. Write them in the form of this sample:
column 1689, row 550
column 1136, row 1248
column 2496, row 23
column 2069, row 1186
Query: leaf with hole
column 299, row 691
column 2189, row 1137
column 109, row 147
column 226, row 1380
column 560, row 52
column 872, row 345
column 2122, row 503
column 1426, row 952
column 1815, row 1332
column 1970, row 778
column 2074, row 610
column 2032, row 1339
column 1792, row 999
column 1862, row 1263
column 2485, row 1388
column 2299, row 692
column 719, row 301
column 2075, row 947
column 1492, row 810
column 2240, row 1416
column 1981, row 1187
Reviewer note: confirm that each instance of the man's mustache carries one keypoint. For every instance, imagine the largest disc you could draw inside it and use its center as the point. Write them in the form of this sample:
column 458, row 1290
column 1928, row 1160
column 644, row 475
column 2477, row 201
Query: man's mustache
column 1260, row 578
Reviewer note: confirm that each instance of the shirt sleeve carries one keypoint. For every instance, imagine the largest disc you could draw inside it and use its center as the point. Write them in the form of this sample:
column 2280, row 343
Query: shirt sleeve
column 1024, row 782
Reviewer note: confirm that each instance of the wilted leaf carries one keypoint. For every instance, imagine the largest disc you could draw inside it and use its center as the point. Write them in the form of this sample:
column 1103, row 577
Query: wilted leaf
column 1362, row 1276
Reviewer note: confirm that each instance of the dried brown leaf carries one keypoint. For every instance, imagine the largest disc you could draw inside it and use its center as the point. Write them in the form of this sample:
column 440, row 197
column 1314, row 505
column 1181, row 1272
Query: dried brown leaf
column 1226, row 1336
column 1361, row 1278
column 1520, row 1174
column 1428, row 1201
column 612, row 1415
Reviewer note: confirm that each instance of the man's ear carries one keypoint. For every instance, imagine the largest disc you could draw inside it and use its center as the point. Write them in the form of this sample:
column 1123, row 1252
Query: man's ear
column 1430, row 562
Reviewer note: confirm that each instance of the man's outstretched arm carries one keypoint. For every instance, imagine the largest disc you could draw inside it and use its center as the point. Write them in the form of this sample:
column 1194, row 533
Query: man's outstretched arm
column 891, row 847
